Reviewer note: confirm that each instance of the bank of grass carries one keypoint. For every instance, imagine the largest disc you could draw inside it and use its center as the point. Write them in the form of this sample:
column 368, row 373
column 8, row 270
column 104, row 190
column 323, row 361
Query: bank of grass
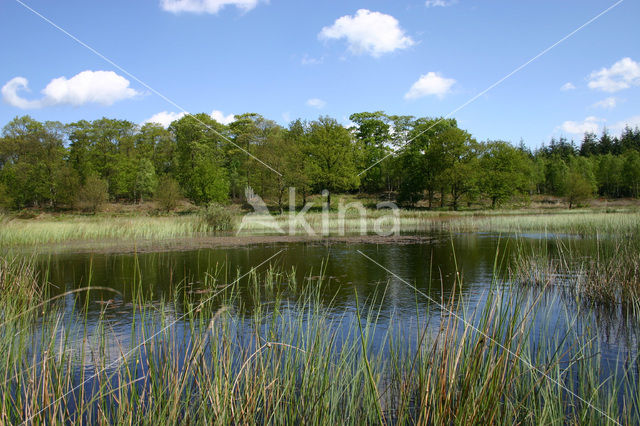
column 604, row 272
column 101, row 228
column 235, row 360
column 107, row 228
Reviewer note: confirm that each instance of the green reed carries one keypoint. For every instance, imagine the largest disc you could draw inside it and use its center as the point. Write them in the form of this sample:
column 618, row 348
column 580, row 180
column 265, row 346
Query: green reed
column 235, row 359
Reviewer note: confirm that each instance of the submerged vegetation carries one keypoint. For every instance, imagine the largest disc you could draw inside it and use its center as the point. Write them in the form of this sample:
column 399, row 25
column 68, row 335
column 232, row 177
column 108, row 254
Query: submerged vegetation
column 605, row 272
column 219, row 355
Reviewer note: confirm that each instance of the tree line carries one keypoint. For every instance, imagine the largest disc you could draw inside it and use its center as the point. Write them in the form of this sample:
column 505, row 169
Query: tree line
column 414, row 160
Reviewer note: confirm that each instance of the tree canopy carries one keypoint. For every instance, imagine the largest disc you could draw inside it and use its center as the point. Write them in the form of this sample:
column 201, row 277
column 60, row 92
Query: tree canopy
column 427, row 160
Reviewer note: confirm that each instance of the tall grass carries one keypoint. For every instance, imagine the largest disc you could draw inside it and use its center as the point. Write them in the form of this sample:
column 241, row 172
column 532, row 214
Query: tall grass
column 19, row 232
column 117, row 229
column 604, row 271
column 235, row 359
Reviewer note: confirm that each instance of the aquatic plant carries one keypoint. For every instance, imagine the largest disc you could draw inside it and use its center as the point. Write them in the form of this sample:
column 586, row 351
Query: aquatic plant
column 205, row 357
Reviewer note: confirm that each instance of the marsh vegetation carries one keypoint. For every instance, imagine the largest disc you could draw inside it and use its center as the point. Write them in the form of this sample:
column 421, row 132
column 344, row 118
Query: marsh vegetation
column 220, row 354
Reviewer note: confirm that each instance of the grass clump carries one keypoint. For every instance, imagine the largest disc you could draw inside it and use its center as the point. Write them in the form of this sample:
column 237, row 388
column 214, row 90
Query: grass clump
column 232, row 359
column 19, row 287
column 106, row 228
column 217, row 217
column 598, row 271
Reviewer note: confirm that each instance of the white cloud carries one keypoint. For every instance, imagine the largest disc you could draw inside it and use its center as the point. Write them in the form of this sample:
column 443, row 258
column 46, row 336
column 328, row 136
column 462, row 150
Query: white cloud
column 309, row 60
column 373, row 33
column 316, row 103
column 622, row 75
column 348, row 123
column 608, row 103
column 164, row 118
column 101, row 87
column 221, row 118
column 567, row 86
column 632, row 122
column 205, row 6
column 590, row 124
column 10, row 93
column 440, row 3
column 431, row 83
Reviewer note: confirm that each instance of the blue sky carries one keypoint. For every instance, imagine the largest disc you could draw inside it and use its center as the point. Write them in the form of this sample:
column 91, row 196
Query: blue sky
column 287, row 59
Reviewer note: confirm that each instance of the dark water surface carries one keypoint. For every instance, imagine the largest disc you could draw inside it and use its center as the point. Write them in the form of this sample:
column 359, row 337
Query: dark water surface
column 388, row 289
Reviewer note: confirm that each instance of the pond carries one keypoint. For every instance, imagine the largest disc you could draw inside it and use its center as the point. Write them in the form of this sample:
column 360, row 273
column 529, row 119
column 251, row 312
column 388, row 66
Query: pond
column 400, row 282
column 401, row 290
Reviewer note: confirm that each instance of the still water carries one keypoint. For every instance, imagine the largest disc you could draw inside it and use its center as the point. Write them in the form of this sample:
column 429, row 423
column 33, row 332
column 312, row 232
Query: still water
column 394, row 288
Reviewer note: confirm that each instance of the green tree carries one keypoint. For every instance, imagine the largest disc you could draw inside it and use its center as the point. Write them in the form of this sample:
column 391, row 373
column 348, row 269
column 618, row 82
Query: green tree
column 505, row 171
column 168, row 193
column 146, row 180
column 631, row 173
column 33, row 163
column 300, row 167
column 200, row 158
column 609, row 175
column 461, row 163
column 6, row 200
column 249, row 131
column 630, row 139
column 373, row 131
column 423, row 161
column 285, row 152
column 112, row 142
column 580, row 182
column 333, row 154
column 555, row 175
column 93, row 194
column 589, row 144
column 157, row 143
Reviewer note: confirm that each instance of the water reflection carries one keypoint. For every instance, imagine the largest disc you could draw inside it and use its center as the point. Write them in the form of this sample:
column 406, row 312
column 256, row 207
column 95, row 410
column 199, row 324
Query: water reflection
column 187, row 276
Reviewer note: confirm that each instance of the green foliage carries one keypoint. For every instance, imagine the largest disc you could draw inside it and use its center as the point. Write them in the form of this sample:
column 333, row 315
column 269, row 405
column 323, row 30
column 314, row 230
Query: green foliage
column 6, row 201
column 373, row 131
column 577, row 188
column 199, row 158
column 334, row 156
column 505, row 172
column 168, row 194
column 609, row 175
column 146, row 180
column 555, row 175
column 43, row 164
column 217, row 217
column 461, row 163
column 32, row 163
column 93, row 194
column 631, row 173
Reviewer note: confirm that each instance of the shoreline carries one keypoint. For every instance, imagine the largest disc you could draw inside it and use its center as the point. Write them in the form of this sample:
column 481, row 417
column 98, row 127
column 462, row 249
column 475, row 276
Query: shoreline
column 198, row 243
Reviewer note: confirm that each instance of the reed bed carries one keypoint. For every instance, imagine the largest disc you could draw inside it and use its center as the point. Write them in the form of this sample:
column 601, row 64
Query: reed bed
column 576, row 223
column 18, row 232
column 116, row 229
column 604, row 271
column 221, row 355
